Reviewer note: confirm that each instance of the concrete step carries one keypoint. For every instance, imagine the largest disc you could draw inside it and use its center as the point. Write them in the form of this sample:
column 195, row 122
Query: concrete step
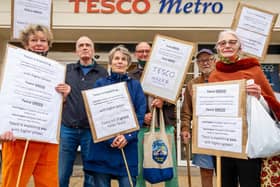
column 77, row 178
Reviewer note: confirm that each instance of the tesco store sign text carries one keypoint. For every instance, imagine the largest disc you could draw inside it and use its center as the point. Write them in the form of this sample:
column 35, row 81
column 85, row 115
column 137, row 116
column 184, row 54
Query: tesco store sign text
column 143, row 6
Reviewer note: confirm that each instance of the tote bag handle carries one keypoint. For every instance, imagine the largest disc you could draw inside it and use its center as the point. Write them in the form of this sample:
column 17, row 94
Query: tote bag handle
column 155, row 121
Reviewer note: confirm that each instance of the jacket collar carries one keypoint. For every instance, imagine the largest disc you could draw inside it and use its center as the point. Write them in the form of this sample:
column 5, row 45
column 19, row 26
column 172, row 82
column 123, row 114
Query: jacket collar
column 118, row 77
column 242, row 64
column 94, row 66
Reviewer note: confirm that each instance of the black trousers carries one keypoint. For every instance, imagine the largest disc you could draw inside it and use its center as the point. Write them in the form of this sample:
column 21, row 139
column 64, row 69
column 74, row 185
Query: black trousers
column 238, row 171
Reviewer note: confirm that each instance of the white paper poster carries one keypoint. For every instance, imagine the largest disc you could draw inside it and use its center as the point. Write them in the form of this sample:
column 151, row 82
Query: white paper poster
column 111, row 110
column 30, row 105
column 255, row 21
column 167, row 66
column 254, row 26
column 217, row 100
column 28, row 12
column 219, row 133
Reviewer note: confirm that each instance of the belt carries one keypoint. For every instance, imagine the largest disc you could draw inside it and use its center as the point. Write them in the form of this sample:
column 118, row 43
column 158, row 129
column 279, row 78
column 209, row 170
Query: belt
column 75, row 126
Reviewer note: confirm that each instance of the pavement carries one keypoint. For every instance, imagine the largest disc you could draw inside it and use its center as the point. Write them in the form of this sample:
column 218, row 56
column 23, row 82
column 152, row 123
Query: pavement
column 76, row 179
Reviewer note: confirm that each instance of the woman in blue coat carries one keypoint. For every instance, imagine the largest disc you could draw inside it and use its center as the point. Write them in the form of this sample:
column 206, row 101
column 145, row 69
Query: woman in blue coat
column 105, row 161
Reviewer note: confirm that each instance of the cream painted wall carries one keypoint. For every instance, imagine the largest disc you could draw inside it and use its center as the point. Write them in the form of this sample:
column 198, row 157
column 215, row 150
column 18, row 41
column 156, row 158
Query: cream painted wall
column 116, row 27
column 64, row 16
column 201, row 28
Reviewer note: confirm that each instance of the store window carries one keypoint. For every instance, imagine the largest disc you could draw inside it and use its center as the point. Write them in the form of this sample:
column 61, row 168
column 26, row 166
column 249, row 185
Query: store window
column 272, row 74
column 271, row 67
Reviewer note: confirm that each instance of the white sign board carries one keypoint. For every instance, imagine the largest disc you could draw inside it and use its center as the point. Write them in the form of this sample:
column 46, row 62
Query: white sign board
column 218, row 100
column 254, row 26
column 220, row 133
column 110, row 111
column 26, row 12
column 30, row 105
column 219, row 119
column 165, row 72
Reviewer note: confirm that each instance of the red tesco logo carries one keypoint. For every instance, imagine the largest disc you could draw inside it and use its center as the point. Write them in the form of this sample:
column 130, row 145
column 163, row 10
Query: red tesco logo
column 111, row 6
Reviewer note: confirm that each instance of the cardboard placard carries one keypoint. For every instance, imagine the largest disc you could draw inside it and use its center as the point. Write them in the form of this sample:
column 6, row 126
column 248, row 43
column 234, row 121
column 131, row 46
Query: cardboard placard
column 110, row 111
column 219, row 119
column 30, row 106
column 167, row 67
column 26, row 12
column 254, row 26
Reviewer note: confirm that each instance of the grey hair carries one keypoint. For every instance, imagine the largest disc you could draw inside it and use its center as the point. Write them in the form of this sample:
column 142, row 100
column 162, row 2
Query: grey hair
column 233, row 33
column 123, row 50
column 82, row 37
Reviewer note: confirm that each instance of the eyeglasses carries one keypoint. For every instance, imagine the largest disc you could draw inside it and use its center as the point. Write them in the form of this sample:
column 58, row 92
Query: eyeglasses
column 200, row 61
column 223, row 43
column 147, row 51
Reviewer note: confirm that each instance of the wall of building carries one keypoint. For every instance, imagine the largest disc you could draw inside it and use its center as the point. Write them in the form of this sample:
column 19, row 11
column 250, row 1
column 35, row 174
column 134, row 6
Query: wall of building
column 71, row 21
column 195, row 26
column 131, row 27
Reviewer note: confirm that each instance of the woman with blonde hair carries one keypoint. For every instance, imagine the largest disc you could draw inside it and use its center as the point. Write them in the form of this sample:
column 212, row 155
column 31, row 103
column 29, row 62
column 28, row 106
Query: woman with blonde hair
column 41, row 159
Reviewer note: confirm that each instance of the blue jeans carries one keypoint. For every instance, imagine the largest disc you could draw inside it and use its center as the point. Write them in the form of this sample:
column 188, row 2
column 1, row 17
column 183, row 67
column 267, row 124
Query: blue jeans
column 104, row 180
column 70, row 139
column 203, row 161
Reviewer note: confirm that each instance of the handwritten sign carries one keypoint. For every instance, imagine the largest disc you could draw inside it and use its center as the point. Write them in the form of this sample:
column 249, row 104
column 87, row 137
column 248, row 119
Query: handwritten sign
column 254, row 26
column 30, row 105
column 110, row 111
column 219, row 119
column 165, row 72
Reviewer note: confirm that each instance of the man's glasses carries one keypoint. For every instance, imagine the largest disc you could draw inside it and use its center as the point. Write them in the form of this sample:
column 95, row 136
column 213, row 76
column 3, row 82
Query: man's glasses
column 223, row 43
column 147, row 51
column 202, row 61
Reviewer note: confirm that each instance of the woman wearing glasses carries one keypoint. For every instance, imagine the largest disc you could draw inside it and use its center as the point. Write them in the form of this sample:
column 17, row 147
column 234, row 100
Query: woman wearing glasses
column 232, row 67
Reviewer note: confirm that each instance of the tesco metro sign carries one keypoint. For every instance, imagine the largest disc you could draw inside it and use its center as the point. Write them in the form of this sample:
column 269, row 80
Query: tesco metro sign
column 143, row 6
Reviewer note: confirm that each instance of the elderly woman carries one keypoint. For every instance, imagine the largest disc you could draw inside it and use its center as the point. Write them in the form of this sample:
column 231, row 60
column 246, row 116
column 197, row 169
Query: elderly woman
column 105, row 161
column 41, row 159
column 232, row 67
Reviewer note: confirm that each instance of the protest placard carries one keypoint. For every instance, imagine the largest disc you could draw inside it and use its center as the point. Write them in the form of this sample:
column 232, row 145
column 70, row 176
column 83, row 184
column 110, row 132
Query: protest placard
column 110, row 111
column 219, row 119
column 254, row 26
column 30, row 105
column 26, row 12
column 166, row 70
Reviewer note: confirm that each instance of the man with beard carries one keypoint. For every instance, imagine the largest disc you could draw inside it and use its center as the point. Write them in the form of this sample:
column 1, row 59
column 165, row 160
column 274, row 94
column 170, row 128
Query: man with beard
column 206, row 64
